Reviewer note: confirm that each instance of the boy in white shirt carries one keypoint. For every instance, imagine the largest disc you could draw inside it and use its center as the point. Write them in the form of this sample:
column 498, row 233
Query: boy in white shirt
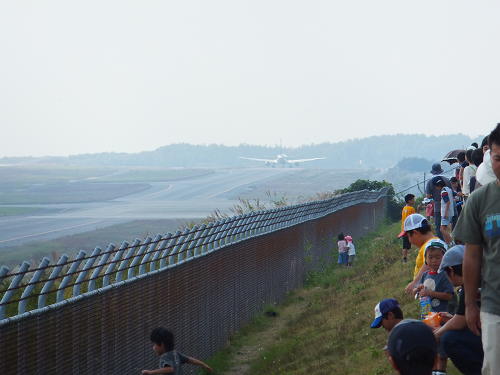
column 351, row 252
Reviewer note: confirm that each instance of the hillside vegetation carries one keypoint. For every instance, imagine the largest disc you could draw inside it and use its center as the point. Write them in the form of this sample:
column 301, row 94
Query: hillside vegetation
column 371, row 152
column 324, row 328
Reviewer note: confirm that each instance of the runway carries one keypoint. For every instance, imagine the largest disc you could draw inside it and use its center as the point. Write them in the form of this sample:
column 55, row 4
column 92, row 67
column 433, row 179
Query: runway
column 186, row 199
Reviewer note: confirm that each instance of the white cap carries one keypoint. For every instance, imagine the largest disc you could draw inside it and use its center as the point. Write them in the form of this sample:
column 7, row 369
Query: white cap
column 412, row 222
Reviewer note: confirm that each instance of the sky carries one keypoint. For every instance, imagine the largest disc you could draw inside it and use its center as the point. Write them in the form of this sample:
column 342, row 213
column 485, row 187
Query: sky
column 129, row 76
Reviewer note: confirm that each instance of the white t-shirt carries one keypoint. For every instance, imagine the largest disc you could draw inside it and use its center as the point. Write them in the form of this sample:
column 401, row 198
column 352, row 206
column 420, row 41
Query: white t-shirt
column 469, row 171
column 352, row 250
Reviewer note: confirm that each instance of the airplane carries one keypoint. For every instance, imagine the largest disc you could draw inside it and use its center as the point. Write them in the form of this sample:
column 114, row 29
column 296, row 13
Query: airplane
column 281, row 159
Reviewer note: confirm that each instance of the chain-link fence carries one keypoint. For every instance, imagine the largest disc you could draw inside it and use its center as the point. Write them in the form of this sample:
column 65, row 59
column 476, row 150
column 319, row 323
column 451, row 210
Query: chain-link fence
column 203, row 283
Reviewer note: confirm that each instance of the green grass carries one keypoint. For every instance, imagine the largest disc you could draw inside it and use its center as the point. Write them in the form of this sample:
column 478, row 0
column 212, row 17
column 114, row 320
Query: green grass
column 325, row 326
column 9, row 211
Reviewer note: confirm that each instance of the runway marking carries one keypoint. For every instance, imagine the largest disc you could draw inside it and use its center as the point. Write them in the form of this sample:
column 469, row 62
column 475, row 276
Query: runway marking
column 246, row 183
column 50, row 231
column 66, row 209
column 161, row 191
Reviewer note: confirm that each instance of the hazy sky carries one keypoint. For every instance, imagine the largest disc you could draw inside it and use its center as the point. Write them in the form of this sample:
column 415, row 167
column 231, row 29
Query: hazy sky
column 93, row 76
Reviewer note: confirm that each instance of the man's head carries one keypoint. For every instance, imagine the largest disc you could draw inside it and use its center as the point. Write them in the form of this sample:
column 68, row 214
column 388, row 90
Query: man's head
column 417, row 228
column 452, row 264
column 494, row 143
column 438, row 182
column 477, row 157
column 162, row 339
column 412, row 348
column 387, row 314
column 410, row 199
column 434, row 255
column 436, row 169
column 468, row 156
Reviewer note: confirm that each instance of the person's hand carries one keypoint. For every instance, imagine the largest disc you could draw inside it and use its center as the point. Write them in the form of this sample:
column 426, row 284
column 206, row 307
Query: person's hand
column 446, row 215
column 425, row 292
column 473, row 318
column 146, row 372
column 445, row 316
column 420, row 286
column 207, row 367
column 409, row 288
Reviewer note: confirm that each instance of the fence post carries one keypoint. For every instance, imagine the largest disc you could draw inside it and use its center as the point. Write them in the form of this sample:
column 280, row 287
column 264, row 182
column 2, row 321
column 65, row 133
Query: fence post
column 100, row 266
column 167, row 250
column 142, row 268
column 178, row 245
column 13, row 285
column 127, row 259
column 188, row 242
column 86, row 270
column 137, row 258
column 194, row 245
column 111, row 267
column 69, row 275
column 42, row 298
column 27, row 292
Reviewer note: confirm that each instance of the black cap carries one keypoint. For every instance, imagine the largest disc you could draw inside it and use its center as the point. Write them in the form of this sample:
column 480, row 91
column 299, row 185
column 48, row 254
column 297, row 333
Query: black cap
column 408, row 335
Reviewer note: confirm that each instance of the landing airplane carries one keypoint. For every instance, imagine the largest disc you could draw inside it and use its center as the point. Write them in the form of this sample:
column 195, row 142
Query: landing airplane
column 281, row 159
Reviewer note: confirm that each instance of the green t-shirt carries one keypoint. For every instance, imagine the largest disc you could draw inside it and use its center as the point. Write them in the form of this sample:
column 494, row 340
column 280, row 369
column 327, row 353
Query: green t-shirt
column 479, row 224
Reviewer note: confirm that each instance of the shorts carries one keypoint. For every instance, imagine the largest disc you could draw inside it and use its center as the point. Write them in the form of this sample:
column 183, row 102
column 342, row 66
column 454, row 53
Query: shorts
column 351, row 259
column 446, row 222
column 342, row 258
column 406, row 243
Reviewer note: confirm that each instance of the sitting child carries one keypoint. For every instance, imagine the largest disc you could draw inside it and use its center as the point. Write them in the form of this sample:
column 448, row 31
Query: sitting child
column 170, row 360
column 435, row 290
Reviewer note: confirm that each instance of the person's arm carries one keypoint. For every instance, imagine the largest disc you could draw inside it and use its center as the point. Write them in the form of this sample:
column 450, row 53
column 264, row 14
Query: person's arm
column 411, row 285
column 472, row 272
column 457, row 323
column 194, row 361
column 164, row 370
column 447, row 208
column 439, row 295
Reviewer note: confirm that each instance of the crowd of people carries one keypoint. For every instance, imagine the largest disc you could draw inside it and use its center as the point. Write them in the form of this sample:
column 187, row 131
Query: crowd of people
column 461, row 255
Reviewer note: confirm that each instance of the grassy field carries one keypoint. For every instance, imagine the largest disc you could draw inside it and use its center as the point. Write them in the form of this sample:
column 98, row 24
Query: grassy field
column 324, row 328
column 60, row 184
column 34, row 251
column 306, row 182
column 9, row 211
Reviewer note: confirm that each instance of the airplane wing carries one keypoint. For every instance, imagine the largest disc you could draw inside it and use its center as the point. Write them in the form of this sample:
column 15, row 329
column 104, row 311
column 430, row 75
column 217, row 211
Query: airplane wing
column 264, row 160
column 303, row 160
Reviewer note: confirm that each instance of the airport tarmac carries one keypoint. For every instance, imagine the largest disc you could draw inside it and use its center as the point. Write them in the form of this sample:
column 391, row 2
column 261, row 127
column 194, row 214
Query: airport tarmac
column 183, row 199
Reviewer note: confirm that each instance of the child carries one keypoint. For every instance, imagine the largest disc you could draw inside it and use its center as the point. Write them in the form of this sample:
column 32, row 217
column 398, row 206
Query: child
column 170, row 360
column 429, row 209
column 407, row 211
column 412, row 348
column 351, row 252
column 342, row 244
column 388, row 314
column 435, row 288
column 447, row 207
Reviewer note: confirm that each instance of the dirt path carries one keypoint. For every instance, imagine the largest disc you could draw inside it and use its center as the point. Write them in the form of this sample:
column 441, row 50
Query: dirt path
column 264, row 339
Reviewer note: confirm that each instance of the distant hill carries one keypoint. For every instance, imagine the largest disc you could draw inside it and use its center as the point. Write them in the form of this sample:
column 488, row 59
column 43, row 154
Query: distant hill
column 373, row 152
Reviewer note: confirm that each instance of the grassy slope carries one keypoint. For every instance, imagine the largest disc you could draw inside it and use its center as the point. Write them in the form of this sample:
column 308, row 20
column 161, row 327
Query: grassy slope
column 325, row 327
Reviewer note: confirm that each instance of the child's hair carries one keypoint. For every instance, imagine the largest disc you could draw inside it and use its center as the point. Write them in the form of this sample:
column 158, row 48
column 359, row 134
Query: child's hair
column 341, row 237
column 434, row 248
column 468, row 155
column 461, row 157
column 477, row 156
column 485, row 141
column 457, row 270
column 409, row 197
column 441, row 183
column 161, row 335
column 474, row 144
column 420, row 361
column 398, row 313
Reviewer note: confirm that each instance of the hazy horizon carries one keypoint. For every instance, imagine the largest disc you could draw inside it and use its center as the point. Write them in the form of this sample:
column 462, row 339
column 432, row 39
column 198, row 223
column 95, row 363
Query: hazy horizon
column 91, row 77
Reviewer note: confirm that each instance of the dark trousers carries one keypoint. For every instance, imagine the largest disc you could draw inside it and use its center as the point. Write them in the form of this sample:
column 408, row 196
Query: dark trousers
column 465, row 350
column 437, row 223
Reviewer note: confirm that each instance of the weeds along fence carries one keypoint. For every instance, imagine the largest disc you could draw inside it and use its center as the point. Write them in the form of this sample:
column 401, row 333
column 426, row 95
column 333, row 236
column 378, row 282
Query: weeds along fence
column 93, row 314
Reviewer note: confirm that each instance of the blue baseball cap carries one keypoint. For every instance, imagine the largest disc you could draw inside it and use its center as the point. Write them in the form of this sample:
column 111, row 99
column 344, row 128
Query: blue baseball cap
column 383, row 307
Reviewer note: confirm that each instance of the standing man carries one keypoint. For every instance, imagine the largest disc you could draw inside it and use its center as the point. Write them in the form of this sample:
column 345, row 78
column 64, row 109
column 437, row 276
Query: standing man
column 479, row 228
column 435, row 194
